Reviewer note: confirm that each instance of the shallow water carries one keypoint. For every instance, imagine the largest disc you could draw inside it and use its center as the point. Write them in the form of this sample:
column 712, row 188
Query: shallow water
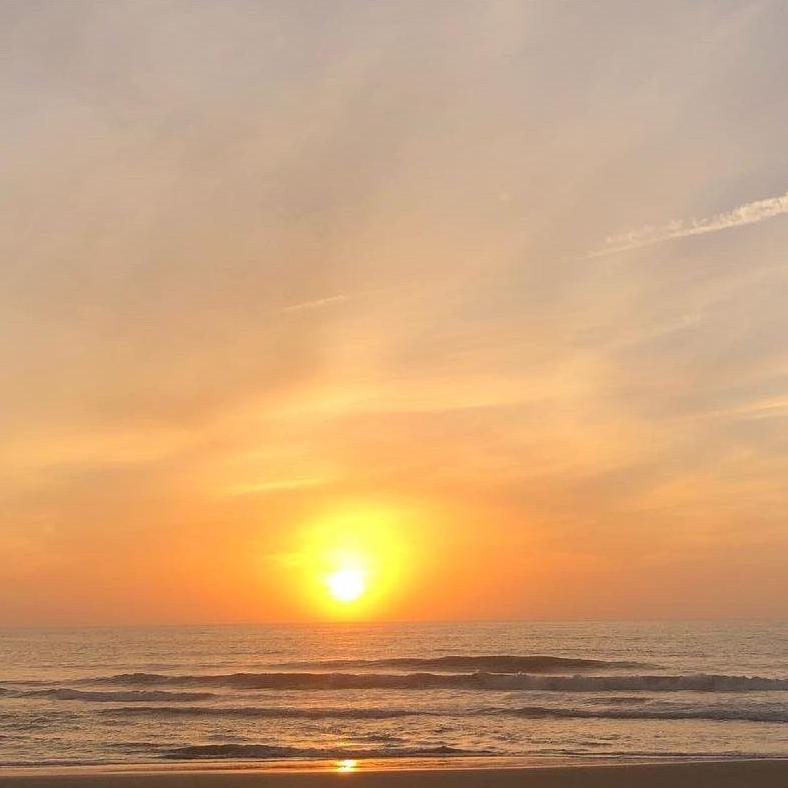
column 567, row 690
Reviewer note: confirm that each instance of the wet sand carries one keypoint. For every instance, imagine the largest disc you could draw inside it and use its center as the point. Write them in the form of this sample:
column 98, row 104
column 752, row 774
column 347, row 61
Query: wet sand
column 719, row 774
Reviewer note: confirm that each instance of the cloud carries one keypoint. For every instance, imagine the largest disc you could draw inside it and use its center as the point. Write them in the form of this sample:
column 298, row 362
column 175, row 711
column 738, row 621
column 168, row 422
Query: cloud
column 318, row 302
column 749, row 213
column 279, row 485
column 259, row 271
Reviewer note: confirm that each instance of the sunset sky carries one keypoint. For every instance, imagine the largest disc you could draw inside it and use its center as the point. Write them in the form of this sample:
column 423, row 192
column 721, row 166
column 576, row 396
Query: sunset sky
column 493, row 294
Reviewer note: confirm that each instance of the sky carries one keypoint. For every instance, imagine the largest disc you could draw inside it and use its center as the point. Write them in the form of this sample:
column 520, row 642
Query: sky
column 492, row 293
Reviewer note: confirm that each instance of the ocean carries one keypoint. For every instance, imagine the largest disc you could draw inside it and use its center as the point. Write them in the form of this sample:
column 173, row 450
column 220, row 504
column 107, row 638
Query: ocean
column 527, row 690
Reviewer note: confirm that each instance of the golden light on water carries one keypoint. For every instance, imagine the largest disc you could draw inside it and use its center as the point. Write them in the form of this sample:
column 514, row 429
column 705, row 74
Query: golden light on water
column 347, row 765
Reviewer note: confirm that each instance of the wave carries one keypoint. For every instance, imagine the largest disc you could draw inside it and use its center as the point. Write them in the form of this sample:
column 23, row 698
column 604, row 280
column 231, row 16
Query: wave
column 273, row 712
column 247, row 752
column 727, row 714
column 131, row 696
column 264, row 751
column 494, row 663
column 700, row 682
column 763, row 713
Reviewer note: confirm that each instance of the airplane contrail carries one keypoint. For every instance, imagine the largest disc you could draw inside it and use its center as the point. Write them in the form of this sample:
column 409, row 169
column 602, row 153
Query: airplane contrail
column 749, row 213
column 318, row 302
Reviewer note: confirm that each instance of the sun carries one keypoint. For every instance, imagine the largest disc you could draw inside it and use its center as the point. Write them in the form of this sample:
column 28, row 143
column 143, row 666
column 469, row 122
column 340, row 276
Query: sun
column 351, row 559
column 347, row 584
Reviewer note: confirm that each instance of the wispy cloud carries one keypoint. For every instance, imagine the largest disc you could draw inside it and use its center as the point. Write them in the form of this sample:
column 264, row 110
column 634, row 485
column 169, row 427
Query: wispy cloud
column 749, row 213
column 318, row 302
column 278, row 485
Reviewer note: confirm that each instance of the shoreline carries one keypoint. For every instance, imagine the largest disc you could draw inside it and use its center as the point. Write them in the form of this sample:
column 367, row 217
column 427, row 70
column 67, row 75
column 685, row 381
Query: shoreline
column 471, row 773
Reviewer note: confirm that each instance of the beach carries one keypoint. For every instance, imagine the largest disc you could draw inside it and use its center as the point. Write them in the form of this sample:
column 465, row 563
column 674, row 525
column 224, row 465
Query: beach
column 718, row 774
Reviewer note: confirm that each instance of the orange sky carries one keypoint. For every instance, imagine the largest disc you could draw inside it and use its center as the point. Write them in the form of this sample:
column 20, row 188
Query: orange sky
column 499, row 287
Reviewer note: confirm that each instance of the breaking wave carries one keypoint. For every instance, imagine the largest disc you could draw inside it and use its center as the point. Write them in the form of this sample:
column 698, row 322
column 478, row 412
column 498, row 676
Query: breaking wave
column 495, row 663
column 264, row 751
column 728, row 714
column 270, row 712
column 701, row 682
column 131, row 696
column 776, row 713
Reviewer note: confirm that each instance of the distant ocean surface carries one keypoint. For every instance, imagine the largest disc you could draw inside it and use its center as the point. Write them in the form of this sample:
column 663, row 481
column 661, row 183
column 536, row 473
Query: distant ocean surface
column 257, row 693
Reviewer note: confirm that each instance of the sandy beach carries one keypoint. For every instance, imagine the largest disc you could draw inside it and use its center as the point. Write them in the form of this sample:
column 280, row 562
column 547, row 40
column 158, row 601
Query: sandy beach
column 719, row 774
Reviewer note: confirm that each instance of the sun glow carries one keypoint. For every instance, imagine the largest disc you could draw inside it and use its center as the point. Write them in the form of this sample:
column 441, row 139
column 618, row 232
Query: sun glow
column 347, row 585
column 353, row 558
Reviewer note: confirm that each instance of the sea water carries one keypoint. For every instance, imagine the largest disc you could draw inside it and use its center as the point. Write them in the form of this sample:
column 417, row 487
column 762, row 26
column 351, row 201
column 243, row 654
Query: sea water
column 352, row 691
